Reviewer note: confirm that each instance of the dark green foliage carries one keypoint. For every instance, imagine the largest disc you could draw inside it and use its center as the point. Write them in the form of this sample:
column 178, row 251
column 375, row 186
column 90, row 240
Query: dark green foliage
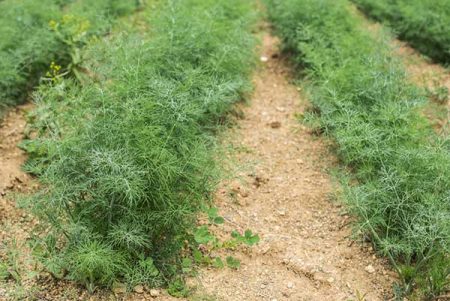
column 28, row 44
column 126, row 158
column 400, row 185
column 424, row 24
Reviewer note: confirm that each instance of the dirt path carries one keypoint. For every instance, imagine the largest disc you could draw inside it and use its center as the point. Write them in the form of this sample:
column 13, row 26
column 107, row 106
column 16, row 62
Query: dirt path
column 11, row 157
column 12, row 178
column 305, row 251
column 15, row 225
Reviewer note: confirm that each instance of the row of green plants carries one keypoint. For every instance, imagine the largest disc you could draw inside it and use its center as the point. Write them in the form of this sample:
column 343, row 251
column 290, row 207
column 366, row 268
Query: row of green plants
column 125, row 155
column 33, row 34
column 423, row 24
column 397, row 179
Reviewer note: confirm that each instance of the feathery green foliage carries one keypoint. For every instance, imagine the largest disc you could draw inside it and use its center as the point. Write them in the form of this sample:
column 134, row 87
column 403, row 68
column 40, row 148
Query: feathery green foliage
column 35, row 33
column 423, row 24
column 400, row 185
column 126, row 157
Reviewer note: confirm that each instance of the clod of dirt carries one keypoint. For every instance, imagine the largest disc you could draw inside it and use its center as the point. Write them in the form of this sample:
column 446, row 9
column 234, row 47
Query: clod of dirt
column 275, row 124
column 370, row 269
column 154, row 293
column 139, row 289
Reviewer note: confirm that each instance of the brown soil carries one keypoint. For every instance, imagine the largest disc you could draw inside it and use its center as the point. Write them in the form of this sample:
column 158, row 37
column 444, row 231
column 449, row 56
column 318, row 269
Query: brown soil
column 11, row 157
column 15, row 225
column 305, row 251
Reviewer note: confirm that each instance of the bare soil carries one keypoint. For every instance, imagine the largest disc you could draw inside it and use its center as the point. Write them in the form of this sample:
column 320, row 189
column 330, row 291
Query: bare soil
column 305, row 252
column 11, row 157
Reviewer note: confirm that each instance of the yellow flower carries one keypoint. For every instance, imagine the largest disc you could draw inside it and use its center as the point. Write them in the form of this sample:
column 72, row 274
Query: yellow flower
column 53, row 24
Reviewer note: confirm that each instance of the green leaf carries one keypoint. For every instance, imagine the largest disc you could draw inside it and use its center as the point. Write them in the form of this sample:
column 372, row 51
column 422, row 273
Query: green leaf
column 186, row 263
column 235, row 234
column 251, row 239
column 218, row 263
column 148, row 266
column 219, row 220
column 198, row 256
column 178, row 289
column 202, row 235
column 4, row 274
column 214, row 217
column 233, row 263
column 212, row 212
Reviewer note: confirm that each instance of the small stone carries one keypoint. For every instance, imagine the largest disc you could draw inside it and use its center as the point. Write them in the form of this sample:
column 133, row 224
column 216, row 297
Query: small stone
column 264, row 59
column 282, row 212
column 139, row 289
column 290, row 285
column 370, row 269
column 330, row 280
column 154, row 293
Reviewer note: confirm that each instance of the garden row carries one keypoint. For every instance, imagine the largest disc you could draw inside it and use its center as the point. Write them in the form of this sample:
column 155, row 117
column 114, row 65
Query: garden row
column 399, row 184
column 125, row 156
column 423, row 24
column 35, row 33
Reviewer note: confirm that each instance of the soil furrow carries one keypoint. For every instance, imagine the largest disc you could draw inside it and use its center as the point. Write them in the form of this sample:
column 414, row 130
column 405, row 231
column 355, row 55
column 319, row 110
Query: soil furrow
column 305, row 251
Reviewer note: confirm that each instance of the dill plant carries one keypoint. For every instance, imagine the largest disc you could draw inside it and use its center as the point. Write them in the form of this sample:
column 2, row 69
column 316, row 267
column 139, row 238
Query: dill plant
column 28, row 44
column 400, row 181
column 423, row 24
column 126, row 158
